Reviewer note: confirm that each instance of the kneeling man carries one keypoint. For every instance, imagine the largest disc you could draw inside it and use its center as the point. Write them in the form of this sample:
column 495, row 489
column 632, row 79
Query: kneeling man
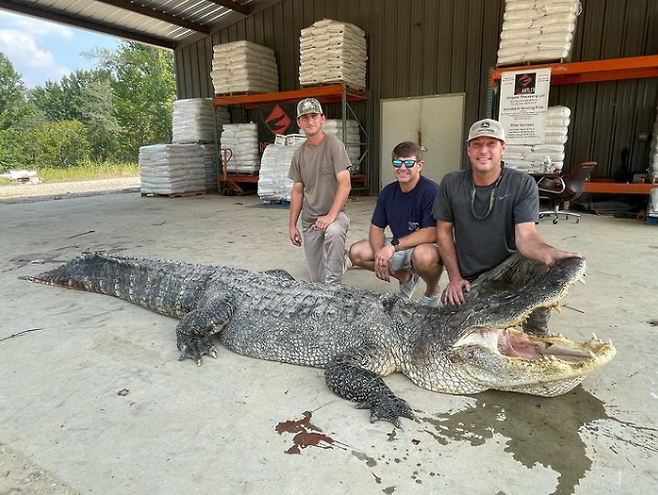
column 406, row 207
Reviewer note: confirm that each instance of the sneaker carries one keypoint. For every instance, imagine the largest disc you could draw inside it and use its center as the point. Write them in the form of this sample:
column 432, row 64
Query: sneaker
column 430, row 301
column 407, row 289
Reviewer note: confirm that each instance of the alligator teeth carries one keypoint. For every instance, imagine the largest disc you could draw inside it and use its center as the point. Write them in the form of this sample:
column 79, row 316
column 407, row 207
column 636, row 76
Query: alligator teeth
column 582, row 281
column 592, row 355
column 557, row 308
column 594, row 336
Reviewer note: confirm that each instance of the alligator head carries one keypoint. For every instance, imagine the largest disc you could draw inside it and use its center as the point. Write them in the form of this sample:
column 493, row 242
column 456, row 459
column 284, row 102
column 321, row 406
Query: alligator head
column 484, row 347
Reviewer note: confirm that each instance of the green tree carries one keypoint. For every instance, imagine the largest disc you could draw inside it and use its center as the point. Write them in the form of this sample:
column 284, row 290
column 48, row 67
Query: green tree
column 12, row 91
column 102, row 127
column 144, row 88
column 65, row 100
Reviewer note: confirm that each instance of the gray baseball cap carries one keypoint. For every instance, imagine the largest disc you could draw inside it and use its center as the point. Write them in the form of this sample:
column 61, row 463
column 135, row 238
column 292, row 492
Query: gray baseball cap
column 309, row 105
column 488, row 128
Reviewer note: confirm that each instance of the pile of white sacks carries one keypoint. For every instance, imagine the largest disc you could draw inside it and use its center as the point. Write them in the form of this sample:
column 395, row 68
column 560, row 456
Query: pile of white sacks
column 352, row 138
column 273, row 182
column 546, row 157
column 172, row 168
column 244, row 66
column 332, row 51
column 653, row 156
column 537, row 30
column 242, row 140
column 193, row 121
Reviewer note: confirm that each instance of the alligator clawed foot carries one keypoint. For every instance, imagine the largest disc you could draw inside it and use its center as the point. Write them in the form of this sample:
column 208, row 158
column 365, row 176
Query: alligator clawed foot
column 388, row 408
column 194, row 347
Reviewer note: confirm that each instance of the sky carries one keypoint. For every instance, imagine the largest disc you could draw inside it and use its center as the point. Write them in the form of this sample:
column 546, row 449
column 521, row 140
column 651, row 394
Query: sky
column 42, row 51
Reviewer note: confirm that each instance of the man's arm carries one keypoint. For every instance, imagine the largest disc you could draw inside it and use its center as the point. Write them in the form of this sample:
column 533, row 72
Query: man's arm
column 343, row 192
column 296, row 199
column 454, row 293
column 532, row 246
column 382, row 254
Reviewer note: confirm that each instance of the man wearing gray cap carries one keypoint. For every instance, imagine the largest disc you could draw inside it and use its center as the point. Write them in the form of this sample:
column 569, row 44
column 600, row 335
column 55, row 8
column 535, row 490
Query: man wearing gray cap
column 320, row 170
column 486, row 230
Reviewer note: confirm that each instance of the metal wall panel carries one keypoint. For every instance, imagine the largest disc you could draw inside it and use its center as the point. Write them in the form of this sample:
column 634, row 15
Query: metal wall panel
column 428, row 47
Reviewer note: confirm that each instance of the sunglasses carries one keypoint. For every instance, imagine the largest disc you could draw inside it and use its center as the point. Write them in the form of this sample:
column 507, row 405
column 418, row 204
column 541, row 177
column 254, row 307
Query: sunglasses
column 406, row 163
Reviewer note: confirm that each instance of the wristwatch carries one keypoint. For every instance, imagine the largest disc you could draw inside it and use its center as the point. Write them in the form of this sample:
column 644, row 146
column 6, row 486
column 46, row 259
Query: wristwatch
column 395, row 242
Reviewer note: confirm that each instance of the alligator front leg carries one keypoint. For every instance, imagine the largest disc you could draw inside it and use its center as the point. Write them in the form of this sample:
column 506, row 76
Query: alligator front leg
column 347, row 375
column 194, row 330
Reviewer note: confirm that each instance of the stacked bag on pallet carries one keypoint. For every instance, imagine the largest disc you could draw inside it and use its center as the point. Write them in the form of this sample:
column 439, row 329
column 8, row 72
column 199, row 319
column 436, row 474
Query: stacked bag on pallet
column 242, row 140
column 331, row 52
column 537, row 30
column 653, row 156
column 273, row 182
column 243, row 66
column 352, row 138
column 193, row 121
column 171, row 169
column 209, row 165
column 546, row 157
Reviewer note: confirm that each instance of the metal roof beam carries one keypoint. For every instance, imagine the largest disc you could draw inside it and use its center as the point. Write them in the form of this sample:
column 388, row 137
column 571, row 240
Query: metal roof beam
column 91, row 26
column 230, row 4
column 156, row 14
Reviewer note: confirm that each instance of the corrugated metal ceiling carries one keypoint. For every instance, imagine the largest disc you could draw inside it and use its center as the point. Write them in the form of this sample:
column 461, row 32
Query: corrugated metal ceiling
column 157, row 22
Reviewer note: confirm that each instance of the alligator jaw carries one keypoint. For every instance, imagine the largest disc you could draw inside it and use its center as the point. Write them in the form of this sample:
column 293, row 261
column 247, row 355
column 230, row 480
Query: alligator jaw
column 510, row 359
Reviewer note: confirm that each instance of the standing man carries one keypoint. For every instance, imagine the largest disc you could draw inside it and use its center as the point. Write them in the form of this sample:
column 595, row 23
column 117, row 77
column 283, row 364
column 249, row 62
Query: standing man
column 406, row 207
column 320, row 170
column 486, row 230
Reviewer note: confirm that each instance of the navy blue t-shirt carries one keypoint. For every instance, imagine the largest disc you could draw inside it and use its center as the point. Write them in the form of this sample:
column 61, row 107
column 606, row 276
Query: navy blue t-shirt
column 407, row 212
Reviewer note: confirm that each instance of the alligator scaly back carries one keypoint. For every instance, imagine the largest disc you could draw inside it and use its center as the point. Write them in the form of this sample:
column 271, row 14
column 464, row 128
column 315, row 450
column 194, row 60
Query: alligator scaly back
column 356, row 335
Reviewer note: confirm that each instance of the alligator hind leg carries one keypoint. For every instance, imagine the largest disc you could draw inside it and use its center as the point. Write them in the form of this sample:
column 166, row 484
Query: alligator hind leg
column 194, row 330
column 347, row 375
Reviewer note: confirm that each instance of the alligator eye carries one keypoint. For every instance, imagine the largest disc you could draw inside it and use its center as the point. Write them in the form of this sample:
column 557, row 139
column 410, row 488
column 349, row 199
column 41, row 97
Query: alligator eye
column 455, row 359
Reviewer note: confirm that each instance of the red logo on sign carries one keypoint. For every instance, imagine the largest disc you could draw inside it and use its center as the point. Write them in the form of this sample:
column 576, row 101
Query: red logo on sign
column 277, row 121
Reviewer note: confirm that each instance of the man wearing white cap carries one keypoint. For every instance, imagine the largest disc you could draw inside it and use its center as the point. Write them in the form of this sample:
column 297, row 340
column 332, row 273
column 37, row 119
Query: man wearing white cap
column 486, row 229
column 320, row 170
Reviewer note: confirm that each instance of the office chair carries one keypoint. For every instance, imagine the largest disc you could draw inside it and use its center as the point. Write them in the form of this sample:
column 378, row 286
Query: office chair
column 563, row 188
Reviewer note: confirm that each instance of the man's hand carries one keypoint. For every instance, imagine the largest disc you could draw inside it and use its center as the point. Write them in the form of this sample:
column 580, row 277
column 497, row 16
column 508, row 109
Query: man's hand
column 323, row 222
column 555, row 255
column 295, row 238
column 454, row 293
column 382, row 257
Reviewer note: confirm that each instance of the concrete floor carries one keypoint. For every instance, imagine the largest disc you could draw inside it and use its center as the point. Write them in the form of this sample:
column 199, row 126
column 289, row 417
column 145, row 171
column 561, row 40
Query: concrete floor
column 95, row 400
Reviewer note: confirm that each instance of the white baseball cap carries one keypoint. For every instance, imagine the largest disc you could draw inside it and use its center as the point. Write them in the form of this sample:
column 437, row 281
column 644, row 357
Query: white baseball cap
column 487, row 128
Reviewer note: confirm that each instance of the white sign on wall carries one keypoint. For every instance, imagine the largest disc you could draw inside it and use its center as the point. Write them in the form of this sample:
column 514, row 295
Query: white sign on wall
column 523, row 105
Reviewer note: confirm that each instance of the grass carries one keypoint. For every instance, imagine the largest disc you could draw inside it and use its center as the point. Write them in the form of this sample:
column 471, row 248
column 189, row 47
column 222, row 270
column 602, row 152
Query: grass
column 88, row 171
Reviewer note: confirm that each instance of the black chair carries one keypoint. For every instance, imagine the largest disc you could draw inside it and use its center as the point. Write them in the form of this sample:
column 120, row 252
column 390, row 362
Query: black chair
column 562, row 188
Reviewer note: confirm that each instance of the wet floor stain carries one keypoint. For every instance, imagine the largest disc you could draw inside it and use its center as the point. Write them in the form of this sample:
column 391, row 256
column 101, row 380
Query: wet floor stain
column 306, row 434
column 539, row 430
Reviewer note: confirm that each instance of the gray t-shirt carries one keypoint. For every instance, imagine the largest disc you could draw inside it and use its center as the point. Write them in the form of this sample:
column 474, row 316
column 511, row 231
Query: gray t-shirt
column 484, row 244
column 316, row 167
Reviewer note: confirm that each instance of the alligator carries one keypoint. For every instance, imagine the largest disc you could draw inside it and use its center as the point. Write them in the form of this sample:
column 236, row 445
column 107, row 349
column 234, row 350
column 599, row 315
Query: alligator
column 356, row 335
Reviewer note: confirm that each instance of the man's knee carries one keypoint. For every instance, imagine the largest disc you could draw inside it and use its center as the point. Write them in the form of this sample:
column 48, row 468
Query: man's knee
column 335, row 231
column 360, row 253
column 425, row 258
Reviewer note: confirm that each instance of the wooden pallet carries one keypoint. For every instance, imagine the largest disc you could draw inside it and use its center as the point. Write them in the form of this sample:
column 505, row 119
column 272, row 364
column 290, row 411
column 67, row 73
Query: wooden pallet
column 238, row 93
column 528, row 64
column 174, row 195
column 332, row 83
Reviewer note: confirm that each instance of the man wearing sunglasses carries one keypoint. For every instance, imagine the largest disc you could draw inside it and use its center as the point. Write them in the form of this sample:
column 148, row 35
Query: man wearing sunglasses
column 320, row 171
column 406, row 207
column 486, row 225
